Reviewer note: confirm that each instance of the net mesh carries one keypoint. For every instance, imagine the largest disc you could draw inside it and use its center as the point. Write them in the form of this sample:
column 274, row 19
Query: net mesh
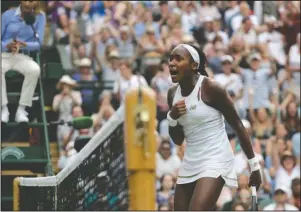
column 96, row 179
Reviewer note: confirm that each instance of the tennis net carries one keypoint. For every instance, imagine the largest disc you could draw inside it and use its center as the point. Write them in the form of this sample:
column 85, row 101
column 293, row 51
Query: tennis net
column 95, row 179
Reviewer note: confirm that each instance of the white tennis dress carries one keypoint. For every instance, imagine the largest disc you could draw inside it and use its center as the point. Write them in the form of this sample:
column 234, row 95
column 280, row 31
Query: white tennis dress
column 208, row 152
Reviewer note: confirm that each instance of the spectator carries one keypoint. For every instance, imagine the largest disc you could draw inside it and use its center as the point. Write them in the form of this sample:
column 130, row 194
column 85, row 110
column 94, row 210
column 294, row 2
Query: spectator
column 166, row 190
column 105, row 110
column 231, row 12
column 256, row 80
column 291, row 119
column 296, row 192
column 240, row 206
column 14, row 47
column 280, row 203
column 86, row 75
column 273, row 40
column 208, row 9
column 64, row 102
column 127, row 81
column 245, row 11
column 161, row 83
column 231, row 81
column 294, row 64
column 287, row 171
column 167, row 163
column 216, row 31
column 248, row 32
column 189, row 18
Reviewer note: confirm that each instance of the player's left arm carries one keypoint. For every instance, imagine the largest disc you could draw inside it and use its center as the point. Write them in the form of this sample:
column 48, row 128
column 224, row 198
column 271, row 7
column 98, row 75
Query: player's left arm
column 217, row 97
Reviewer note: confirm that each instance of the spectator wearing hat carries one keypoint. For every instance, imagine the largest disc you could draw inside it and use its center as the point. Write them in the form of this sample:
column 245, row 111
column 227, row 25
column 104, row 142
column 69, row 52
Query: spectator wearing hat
column 64, row 102
column 255, row 83
column 85, row 75
column 280, row 201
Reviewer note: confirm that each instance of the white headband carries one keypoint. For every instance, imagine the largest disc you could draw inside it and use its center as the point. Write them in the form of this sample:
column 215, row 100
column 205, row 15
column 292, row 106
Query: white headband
column 194, row 54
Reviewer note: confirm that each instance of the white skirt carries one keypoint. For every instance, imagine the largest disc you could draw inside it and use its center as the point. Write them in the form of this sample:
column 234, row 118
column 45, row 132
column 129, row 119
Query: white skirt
column 228, row 173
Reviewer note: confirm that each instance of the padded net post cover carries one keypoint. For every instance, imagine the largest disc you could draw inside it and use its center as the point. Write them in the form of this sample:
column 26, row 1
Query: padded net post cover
column 95, row 179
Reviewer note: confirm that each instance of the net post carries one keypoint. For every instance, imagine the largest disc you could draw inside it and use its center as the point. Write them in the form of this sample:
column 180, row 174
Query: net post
column 16, row 194
column 141, row 148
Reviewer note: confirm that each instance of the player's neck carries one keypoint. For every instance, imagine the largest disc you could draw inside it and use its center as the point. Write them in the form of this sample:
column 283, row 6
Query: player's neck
column 187, row 85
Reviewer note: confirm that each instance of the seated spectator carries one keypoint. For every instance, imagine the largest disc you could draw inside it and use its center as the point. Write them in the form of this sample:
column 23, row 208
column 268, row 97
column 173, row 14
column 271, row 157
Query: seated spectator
column 281, row 202
column 127, row 81
column 105, row 110
column 166, row 190
column 15, row 44
column 167, row 163
column 86, row 75
column 64, row 102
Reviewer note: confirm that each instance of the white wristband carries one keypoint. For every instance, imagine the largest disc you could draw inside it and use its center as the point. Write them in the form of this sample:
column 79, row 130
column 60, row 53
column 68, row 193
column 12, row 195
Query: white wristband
column 254, row 164
column 172, row 122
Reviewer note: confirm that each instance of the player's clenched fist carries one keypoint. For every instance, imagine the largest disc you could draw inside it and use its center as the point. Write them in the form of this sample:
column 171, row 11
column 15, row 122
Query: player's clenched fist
column 178, row 109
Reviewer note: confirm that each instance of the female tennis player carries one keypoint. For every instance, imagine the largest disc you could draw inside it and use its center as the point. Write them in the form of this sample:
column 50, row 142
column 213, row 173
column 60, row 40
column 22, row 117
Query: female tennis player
column 198, row 107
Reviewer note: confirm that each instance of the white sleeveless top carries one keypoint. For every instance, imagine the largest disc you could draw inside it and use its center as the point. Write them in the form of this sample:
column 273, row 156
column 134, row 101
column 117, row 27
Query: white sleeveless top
column 207, row 144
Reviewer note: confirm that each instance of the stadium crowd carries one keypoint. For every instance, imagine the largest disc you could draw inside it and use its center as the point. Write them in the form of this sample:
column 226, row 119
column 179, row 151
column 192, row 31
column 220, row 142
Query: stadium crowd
column 252, row 49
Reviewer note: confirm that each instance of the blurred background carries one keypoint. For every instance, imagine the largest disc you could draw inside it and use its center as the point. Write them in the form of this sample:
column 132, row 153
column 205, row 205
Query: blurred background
column 93, row 50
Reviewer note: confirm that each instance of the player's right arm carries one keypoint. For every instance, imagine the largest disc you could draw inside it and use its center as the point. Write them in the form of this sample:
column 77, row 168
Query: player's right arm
column 176, row 133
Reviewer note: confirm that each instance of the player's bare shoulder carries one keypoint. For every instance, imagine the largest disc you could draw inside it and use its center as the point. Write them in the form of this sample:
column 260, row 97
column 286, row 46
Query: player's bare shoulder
column 212, row 91
column 171, row 94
